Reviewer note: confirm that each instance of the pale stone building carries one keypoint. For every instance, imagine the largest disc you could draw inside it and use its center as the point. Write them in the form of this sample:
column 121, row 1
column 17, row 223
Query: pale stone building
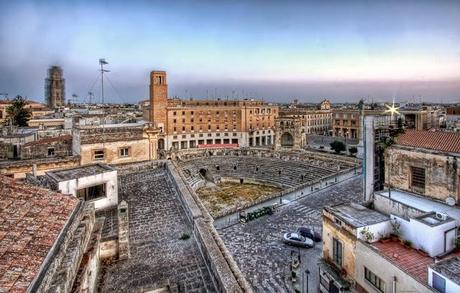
column 343, row 226
column 425, row 163
column 114, row 143
column 185, row 124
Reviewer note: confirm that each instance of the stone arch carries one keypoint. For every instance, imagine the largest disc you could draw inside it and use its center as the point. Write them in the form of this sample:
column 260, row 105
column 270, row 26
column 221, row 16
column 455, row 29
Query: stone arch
column 203, row 172
column 287, row 140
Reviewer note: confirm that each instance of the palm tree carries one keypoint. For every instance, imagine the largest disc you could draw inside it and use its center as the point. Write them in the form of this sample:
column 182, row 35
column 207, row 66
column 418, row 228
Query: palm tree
column 17, row 113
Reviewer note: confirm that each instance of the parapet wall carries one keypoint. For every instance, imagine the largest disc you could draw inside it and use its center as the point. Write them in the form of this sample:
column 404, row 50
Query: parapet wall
column 388, row 206
column 221, row 265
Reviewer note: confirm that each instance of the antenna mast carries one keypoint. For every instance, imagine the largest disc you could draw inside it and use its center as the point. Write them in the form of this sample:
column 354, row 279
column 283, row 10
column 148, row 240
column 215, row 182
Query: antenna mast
column 102, row 62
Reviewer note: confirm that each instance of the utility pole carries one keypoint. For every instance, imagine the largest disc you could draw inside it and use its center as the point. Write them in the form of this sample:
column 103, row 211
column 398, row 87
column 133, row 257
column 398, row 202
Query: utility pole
column 102, row 62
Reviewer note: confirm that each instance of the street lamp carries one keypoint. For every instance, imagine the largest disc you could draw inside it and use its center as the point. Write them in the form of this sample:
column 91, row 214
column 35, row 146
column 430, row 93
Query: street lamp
column 308, row 273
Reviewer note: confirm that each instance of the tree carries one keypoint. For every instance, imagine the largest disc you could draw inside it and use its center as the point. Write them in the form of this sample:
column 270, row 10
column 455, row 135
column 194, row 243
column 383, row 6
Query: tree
column 352, row 150
column 17, row 112
column 338, row 146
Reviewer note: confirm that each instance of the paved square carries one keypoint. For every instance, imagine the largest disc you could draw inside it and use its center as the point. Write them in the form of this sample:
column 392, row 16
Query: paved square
column 259, row 251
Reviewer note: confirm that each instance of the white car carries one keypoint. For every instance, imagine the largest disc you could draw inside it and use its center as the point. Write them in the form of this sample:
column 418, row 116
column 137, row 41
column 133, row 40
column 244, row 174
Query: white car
column 298, row 240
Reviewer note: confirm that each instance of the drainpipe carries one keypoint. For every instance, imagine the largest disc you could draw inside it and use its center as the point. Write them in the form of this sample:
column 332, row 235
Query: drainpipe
column 394, row 285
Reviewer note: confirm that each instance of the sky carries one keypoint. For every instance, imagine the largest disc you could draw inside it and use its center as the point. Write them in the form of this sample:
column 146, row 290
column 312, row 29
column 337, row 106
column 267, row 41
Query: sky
column 272, row 50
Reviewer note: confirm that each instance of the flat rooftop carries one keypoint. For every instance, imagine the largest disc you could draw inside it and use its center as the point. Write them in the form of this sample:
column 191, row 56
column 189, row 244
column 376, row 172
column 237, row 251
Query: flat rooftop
column 79, row 172
column 422, row 203
column 357, row 215
column 449, row 268
column 31, row 219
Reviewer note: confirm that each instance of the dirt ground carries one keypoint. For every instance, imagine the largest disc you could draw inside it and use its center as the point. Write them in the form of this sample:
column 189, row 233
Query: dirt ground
column 228, row 195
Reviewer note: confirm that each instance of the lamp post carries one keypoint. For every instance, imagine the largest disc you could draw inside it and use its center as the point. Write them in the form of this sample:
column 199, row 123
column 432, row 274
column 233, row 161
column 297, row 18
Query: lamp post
column 308, row 273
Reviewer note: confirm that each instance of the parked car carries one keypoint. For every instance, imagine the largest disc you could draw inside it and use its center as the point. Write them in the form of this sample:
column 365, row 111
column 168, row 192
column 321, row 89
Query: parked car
column 309, row 233
column 296, row 239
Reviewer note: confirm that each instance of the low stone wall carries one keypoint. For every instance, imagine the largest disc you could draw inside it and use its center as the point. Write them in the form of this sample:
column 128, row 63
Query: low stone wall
column 221, row 265
column 128, row 168
column 51, row 266
column 250, row 181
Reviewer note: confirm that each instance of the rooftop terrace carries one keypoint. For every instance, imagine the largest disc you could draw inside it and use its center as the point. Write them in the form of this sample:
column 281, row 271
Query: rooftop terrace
column 410, row 260
column 422, row 203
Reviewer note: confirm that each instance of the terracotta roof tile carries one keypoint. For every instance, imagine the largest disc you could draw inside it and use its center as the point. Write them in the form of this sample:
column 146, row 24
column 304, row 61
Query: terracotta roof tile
column 434, row 140
column 31, row 219
column 408, row 259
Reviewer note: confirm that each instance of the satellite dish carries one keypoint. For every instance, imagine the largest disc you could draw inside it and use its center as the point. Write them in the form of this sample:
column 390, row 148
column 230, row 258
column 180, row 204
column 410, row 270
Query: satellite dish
column 450, row 201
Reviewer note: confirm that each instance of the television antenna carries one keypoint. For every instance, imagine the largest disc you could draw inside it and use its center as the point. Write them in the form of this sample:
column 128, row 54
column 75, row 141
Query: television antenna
column 102, row 62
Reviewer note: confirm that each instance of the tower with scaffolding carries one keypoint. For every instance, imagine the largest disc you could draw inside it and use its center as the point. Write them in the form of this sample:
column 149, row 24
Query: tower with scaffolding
column 55, row 87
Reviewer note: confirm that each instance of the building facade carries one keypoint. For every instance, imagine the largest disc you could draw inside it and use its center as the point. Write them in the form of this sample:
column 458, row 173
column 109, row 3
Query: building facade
column 114, row 143
column 314, row 120
column 55, row 87
column 185, row 124
column 426, row 163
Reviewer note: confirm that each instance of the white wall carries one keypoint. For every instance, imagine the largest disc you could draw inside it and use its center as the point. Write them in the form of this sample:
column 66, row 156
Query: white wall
column 379, row 230
column 427, row 238
column 451, row 287
column 109, row 178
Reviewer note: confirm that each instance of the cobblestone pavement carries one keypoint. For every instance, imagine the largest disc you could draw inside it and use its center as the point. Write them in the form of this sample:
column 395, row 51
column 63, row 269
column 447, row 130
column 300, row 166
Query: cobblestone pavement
column 157, row 220
column 261, row 255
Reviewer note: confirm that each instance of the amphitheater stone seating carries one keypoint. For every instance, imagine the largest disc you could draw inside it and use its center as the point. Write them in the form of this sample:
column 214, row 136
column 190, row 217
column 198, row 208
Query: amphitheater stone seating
column 285, row 172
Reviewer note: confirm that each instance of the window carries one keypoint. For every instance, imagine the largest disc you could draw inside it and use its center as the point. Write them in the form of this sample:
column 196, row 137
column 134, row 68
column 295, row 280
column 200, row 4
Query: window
column 439, row 283
column 337, row 251
column 124, row 152
column 418, row 178
column 98, row 155
column 51, row 152
column 375, row 281
column 92, row 192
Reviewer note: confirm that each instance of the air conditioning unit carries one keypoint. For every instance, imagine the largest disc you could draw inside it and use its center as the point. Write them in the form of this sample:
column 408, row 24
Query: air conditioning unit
column 441, row 216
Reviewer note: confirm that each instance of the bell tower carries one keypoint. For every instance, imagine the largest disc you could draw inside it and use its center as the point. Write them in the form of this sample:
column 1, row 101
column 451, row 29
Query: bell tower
column 158, row 99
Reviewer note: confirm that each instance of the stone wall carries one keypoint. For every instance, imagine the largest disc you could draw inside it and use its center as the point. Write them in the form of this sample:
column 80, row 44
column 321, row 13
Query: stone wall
column 44, row 280
column 441, row 171
column 73, row 265
column 389, row 206
column 6, row 150
column 92, row 135
column 226, row 274
column 18, row 169
column 61, row 147
column 138, row 151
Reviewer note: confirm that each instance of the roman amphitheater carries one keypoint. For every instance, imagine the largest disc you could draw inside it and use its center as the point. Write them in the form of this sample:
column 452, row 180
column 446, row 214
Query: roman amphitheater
column 184, row 218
